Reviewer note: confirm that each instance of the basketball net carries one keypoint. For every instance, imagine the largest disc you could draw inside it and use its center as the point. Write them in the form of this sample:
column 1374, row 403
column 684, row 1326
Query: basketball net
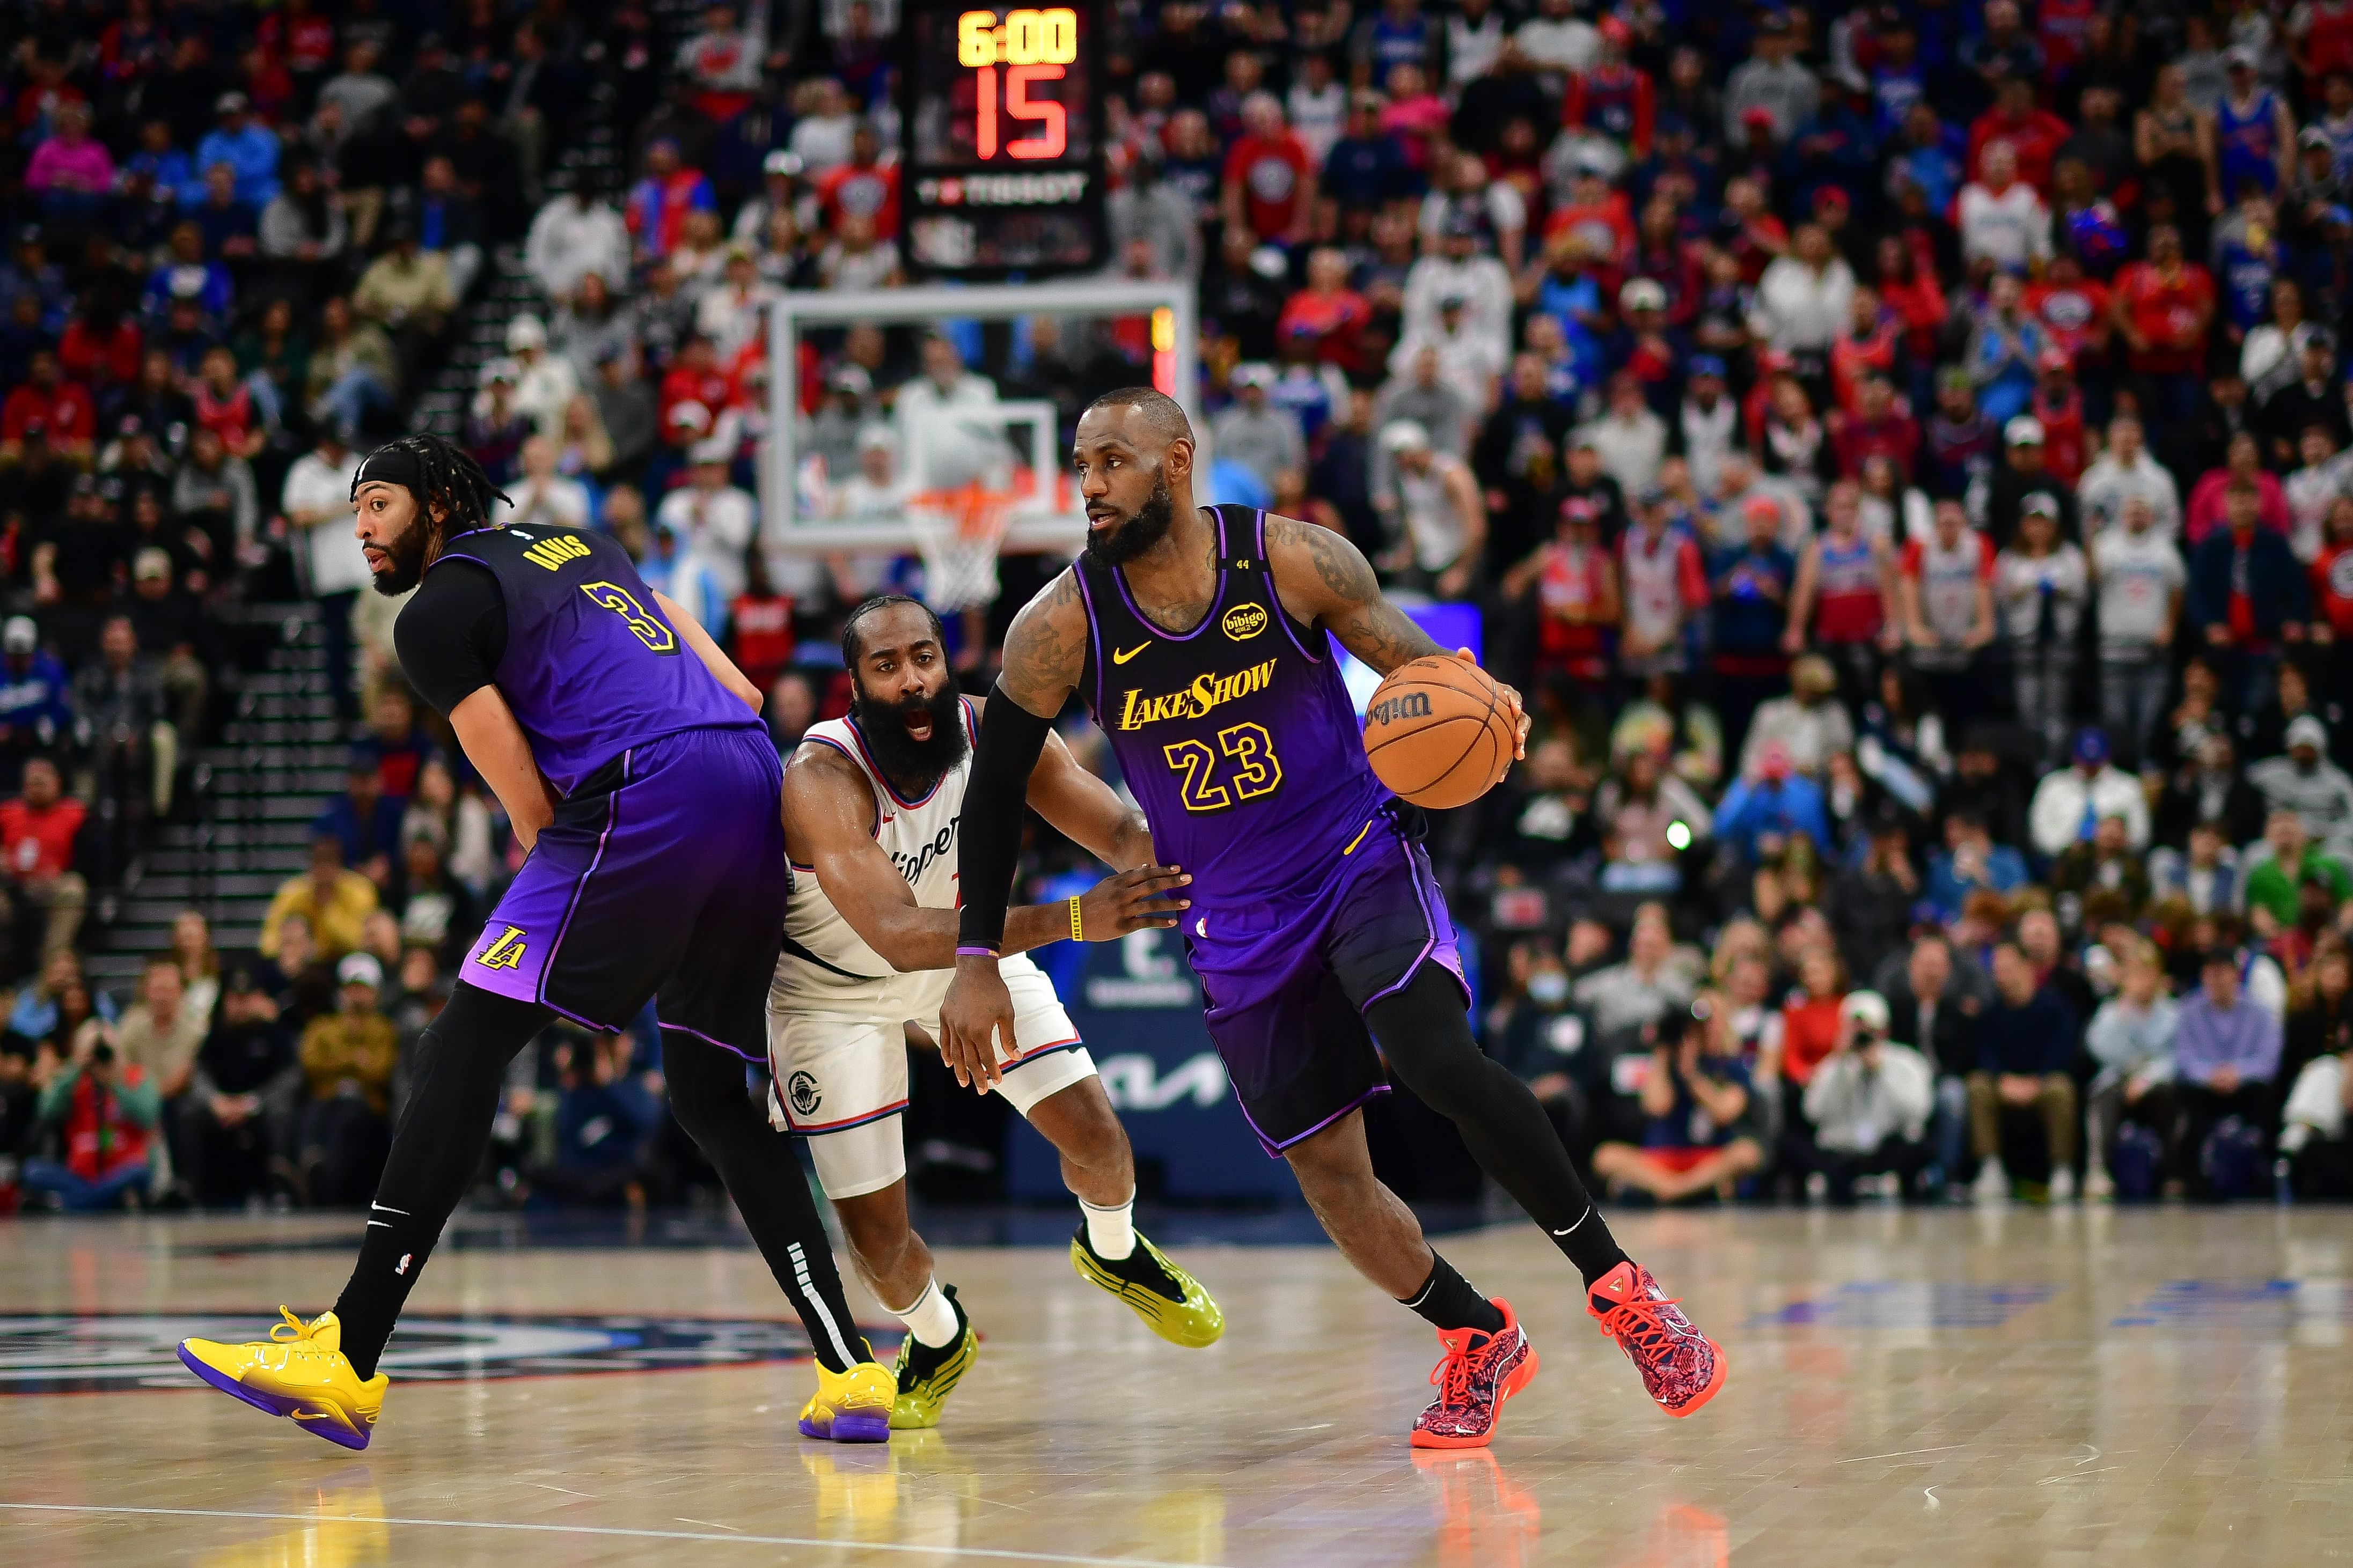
column 957, row 531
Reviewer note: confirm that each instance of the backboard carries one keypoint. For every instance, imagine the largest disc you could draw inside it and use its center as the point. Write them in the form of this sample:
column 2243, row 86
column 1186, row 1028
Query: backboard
column 1010, row 444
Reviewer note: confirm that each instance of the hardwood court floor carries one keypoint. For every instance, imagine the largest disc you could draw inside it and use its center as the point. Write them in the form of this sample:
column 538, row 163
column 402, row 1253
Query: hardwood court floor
column 2146, row 1387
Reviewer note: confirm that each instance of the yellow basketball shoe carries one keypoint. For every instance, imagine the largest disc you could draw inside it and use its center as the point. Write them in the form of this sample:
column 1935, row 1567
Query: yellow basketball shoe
column 851, row 1406
column 1170, row 1301
column 927, row 1376
column 299, row 1371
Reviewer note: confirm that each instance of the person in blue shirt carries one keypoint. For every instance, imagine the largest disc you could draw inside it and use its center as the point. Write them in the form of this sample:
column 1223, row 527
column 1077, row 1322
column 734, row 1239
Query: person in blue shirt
column 605, row 1116
column 1970, row 860
column 2026, row 1043
column 364, row 820
column 32, row 708
column 249, row 149
column 1367, row 166
column 1749, row 586
column 1775, row 803
column 173, row 172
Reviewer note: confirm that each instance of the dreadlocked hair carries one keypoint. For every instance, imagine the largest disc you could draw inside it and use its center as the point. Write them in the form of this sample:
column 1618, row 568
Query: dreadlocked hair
column 454, row 486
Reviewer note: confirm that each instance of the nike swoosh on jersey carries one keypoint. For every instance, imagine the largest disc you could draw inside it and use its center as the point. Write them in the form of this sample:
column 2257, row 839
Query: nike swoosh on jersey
column 1119, row 658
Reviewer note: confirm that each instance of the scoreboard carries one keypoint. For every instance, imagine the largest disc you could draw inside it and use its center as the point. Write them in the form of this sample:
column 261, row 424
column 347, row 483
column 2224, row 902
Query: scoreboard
column 1002, row 154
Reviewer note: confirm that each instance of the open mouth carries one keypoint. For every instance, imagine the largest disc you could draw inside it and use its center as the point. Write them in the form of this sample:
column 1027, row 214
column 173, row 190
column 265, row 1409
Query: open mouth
column 919, row 727
column 1101, row 519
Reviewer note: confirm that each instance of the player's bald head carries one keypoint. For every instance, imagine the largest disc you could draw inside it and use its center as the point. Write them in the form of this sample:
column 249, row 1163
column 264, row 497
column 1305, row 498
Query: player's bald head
column 1146, row 419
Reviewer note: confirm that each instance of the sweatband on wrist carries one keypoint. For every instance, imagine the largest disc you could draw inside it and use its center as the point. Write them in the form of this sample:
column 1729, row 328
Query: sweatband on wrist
column 995, row 799
column 1075, row 935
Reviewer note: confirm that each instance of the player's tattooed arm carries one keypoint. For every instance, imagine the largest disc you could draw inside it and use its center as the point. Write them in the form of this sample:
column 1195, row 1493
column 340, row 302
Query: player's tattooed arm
column 1325, row 580
column 1046, row 647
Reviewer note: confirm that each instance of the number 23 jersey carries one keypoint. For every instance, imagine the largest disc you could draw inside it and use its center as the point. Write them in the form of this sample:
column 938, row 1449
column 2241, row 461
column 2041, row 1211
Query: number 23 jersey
column 1240, row 744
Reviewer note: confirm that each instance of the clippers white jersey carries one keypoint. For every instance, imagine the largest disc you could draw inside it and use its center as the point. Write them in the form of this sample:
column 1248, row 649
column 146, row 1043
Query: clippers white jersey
column 827, row 967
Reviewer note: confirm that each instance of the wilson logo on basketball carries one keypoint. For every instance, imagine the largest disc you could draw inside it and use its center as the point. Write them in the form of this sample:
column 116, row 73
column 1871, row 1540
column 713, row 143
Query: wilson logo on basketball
column 1244, row 622
column 1405, row 705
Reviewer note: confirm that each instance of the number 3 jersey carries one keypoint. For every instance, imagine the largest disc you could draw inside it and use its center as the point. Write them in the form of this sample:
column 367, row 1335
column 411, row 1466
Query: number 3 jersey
column 1237, row 737
column 572, row 637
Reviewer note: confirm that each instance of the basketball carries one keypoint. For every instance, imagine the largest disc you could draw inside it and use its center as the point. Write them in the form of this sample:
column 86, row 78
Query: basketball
column 1438, row 731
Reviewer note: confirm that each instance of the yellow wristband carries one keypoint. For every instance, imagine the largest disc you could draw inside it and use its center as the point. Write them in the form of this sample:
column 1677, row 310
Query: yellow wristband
column 1074, row 920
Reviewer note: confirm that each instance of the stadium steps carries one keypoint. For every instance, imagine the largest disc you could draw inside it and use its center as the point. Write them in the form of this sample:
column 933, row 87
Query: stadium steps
column 506, row 289
column 245, row 826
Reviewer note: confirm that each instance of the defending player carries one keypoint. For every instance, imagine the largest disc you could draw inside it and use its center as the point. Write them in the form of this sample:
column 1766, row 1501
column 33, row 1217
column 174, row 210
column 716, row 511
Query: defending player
column 871, row 807
column 629, row 757
column 1197, row 637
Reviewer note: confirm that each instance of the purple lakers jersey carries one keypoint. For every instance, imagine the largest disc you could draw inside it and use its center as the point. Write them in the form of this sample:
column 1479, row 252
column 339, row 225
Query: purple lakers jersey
column 1238, row 736
column 591, row 666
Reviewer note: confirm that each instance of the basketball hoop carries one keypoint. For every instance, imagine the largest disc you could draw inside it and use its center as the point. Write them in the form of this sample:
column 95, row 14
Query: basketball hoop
column 958, row 531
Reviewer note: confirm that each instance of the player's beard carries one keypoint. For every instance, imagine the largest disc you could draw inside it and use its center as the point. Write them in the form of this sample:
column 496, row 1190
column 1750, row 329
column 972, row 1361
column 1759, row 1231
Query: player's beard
column 914, row 765
column 1123, row 540
column 405, row 565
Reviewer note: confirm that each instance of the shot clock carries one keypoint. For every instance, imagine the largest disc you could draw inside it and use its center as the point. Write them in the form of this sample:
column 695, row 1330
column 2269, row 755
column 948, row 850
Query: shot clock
column 1003, row 150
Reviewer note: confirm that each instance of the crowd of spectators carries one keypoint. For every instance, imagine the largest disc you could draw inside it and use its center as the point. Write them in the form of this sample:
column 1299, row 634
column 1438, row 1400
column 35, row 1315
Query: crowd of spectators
column 1900, row 450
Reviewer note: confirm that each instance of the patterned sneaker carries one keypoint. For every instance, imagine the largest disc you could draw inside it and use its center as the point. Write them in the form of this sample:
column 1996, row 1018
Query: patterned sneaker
column 1479, row 1373
column 1681, row 1367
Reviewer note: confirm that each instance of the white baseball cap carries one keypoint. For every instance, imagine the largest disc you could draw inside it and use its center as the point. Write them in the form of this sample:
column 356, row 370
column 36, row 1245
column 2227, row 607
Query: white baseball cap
column 1404, row 436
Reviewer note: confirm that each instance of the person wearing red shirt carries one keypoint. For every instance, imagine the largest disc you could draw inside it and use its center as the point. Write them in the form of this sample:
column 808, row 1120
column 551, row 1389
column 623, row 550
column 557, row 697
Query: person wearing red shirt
column 1269, row 180
column 866, row 186
column 695, row 379
column 2322, row 37
column 63, row 407
column 92, row 350
column 1879, row 426
column 1809, row 1019
column 1866, row 348
column 225, row 407
column 1599, row 215
column 2161, row 308
column 2332, row 596
column 1573, row 584
column 1908, row 285
column 2062, row 26
column 760, row 627
column 1613, row 97
column 2034, row 135
column 2058, row 403
column 38, row 830
column 1327, row 309
column 2073, row 308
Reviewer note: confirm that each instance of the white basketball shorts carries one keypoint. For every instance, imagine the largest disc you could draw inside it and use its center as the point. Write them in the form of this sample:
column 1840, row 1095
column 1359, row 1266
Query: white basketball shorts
column 841, row 1078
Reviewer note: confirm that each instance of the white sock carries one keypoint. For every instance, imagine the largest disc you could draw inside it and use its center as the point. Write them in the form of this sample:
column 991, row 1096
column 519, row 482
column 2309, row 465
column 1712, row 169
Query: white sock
column 931, row 1319
column 1111, row 1231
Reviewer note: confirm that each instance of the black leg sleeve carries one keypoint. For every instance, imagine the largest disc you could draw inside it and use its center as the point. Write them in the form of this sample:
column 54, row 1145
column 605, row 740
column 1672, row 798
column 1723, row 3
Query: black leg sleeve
column 762, row 1172
column 461, row 1061
column 1423, row 1032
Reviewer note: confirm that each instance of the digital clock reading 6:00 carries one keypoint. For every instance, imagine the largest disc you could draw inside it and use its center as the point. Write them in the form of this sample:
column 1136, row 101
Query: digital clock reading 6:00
column 1033, row 47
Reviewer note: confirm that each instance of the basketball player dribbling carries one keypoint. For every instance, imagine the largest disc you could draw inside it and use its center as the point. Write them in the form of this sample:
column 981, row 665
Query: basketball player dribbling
column 1197, row 637
column 630, row 755
column 872, row 803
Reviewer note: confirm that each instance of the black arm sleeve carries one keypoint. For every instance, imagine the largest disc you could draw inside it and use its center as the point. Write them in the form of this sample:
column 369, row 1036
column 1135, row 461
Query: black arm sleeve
column 452, row 635
column 996, row 797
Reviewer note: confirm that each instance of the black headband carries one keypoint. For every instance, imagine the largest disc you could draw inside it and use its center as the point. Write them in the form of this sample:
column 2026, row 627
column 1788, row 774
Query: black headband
column 391, row 466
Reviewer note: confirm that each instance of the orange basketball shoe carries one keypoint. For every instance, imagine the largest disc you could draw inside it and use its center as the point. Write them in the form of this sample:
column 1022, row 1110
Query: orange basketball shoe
column 1681, row 1367
column 1479, row 1372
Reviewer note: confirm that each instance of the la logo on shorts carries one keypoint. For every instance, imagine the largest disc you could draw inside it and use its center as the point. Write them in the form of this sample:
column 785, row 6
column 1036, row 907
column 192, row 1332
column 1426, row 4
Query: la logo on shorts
column 803, row 1089
column 506, row 952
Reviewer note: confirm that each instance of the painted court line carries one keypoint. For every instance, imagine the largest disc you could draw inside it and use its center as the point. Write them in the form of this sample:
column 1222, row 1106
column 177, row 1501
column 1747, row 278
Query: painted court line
column 1000, row 1555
